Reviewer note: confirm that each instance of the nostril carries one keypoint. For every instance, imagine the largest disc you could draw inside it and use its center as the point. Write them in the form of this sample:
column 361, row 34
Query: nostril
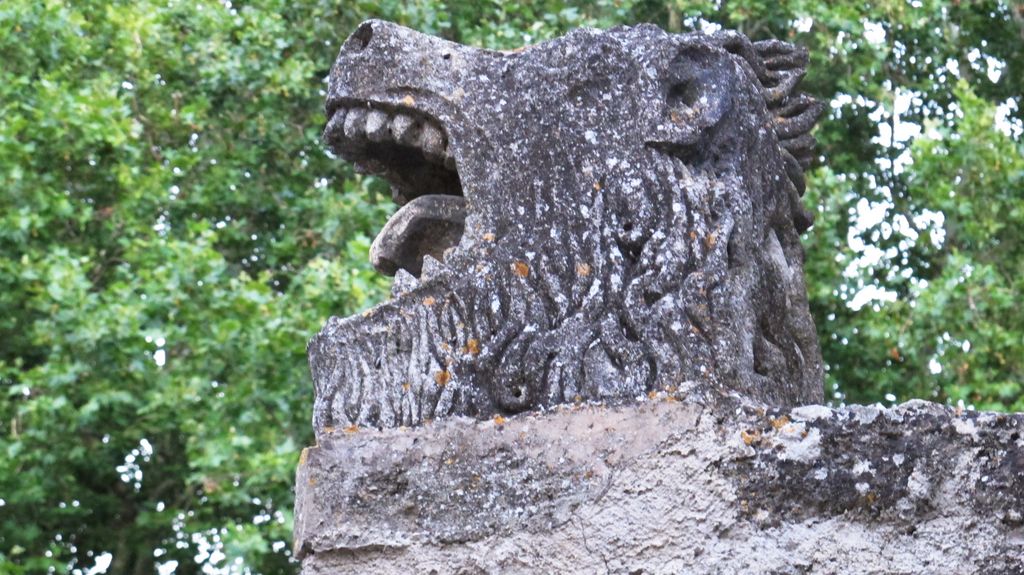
column 360, row 39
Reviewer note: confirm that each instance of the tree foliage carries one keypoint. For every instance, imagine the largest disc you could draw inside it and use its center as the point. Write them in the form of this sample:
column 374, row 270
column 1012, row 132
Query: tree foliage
column 172, row 232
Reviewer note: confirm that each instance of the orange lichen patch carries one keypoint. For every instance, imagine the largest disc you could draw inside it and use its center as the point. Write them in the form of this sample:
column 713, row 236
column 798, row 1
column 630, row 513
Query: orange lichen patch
column 499, row 420
column 406, row 387
column 871, row 497
column 693, row 235
column 449, row 461
column 472, row 347
column 521, row 269
column 489, row 237
column 352, row 429
column 711, row 240
column 750, row 437
column 583, row 270
column 578, row 399
column 676, row 117
column 779, row 423
column 597, row 186
column 328, row 429
column 429, row 301
column 409, row 101
column 442, row 377
column 652, row 394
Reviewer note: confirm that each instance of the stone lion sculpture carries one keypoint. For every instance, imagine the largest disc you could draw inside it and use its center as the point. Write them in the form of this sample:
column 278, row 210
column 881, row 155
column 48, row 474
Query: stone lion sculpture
column 593, row 218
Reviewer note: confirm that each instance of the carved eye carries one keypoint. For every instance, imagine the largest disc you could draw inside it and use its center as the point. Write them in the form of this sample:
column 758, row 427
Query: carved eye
column 698, row 86
column 697, row 90
column 685, row 93
column 692, row 75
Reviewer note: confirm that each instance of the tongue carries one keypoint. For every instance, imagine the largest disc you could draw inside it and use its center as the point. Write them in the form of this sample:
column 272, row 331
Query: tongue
column 426, row 225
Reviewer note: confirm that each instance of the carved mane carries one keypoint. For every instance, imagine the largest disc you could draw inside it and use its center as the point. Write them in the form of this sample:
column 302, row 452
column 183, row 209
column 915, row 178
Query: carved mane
column 779, row 67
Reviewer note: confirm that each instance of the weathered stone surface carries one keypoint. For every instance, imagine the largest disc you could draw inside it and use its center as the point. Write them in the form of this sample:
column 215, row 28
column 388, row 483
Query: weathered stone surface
column 696, row 485
column 420, row 228
column 631, row 220
column 602, row 230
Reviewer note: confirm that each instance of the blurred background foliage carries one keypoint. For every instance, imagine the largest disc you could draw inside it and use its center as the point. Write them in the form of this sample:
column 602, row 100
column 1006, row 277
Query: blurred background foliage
column 172, row 232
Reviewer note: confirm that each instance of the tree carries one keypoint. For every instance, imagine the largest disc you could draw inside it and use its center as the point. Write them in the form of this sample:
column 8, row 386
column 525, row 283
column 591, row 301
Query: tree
column 172, row 232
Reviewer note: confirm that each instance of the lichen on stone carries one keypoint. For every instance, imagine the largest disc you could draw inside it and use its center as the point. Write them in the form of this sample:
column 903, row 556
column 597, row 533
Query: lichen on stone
column 598, row 216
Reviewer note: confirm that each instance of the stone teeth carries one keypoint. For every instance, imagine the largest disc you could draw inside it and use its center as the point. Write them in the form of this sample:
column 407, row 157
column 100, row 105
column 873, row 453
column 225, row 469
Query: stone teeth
column 404, row 283
column 377, row 128
column 404, row 129
column 337, row 122
column 449, row 160
column 432, row 269
column 361, row 124
column 432, row 143
column 355, row 124
column 397, row 196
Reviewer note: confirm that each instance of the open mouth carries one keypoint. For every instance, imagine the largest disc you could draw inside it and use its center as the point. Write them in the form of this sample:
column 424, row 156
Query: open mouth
column 412, row 151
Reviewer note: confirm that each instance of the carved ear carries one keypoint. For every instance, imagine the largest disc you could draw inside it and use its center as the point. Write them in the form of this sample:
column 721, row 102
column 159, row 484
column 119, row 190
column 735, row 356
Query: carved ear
column 795, row 113
column 779, row 67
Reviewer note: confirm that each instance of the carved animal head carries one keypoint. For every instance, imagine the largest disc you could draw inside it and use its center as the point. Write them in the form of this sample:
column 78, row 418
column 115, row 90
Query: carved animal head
column 591, row 218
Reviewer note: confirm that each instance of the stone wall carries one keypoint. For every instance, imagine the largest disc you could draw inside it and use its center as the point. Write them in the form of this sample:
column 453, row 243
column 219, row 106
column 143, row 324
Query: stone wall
column 671, row 485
